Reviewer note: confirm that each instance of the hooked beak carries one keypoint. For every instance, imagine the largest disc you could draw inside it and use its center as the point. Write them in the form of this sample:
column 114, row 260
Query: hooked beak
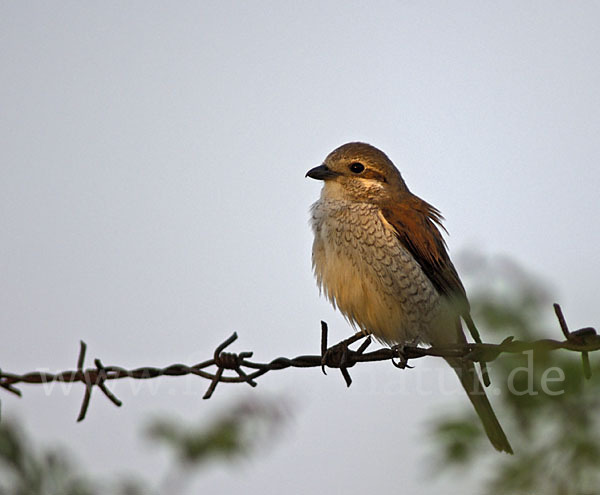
column 321, row 173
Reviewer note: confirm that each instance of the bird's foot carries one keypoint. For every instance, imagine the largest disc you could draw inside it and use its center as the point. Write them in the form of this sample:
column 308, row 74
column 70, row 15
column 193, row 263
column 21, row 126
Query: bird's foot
column 399, row 353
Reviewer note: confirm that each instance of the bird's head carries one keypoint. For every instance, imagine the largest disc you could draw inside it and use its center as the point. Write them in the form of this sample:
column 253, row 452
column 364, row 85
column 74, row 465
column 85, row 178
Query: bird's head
column 359, row 172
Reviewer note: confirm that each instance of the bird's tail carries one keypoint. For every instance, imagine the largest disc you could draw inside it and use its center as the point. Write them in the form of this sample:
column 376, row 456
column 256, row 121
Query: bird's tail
column 470, row 381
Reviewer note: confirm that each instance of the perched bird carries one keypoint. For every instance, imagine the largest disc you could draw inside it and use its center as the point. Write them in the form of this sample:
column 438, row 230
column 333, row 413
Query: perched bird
column 379, row 256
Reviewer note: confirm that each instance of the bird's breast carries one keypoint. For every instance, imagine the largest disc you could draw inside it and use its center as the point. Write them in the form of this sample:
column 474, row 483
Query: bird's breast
column 366, row 272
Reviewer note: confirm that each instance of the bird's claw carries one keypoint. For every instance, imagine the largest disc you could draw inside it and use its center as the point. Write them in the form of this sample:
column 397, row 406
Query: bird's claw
column 402, row 359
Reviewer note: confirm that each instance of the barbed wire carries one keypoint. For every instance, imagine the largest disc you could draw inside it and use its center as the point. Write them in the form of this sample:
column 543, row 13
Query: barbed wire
column 339, row 356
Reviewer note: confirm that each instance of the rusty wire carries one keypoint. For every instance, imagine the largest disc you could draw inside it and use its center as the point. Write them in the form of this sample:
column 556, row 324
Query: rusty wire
column 339, row 356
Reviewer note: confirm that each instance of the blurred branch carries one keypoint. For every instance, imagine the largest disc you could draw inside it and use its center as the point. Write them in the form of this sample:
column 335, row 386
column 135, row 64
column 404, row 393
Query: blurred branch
column 27, row 468
column 339, row 356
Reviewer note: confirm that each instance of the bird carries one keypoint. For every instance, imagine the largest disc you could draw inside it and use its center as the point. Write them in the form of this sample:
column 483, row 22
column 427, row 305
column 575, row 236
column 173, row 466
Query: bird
column 380, row 258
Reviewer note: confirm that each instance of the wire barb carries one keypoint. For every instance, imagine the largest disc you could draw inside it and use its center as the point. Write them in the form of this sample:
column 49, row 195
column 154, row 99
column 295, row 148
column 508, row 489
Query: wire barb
column 578, row 337
column 83, row 377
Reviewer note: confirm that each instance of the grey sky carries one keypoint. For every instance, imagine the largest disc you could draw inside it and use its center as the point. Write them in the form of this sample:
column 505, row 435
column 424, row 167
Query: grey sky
column 153, row 200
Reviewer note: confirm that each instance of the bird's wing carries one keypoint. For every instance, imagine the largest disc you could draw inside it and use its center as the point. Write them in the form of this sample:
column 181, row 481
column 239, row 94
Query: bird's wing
column 416, row 224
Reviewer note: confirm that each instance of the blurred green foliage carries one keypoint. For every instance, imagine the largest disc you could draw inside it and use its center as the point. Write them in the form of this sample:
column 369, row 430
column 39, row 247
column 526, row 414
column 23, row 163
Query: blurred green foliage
column 24, row 471
column 27, row 470
column 549, row 411
column 232, row 435
column 229, row 436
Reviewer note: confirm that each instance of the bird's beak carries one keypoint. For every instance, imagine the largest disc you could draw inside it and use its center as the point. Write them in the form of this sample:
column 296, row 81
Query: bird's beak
column 321, row 173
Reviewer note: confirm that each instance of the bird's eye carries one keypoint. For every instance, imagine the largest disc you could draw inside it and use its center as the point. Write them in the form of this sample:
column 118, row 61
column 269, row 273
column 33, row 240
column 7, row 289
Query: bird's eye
column 356, row 167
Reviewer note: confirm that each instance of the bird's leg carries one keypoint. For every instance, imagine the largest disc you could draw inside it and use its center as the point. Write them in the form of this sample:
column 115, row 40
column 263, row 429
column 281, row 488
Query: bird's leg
column 402, row 359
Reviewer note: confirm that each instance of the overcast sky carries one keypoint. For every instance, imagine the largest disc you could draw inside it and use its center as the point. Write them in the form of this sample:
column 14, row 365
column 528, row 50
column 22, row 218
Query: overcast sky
column 153, row 200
